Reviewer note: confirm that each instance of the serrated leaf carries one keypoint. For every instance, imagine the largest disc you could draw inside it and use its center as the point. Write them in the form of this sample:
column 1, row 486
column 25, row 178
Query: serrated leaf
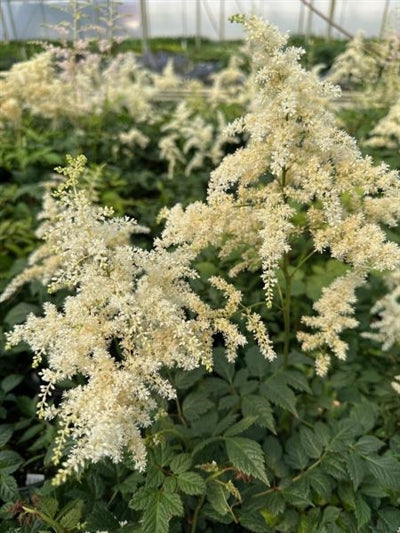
column 101, row 519
column 247, row 456
column 309, row 523
column 191, row 483
column 362, row 511
column 278, row 393
column 252, row 521
column 320, row 483
column 172, row 503
column 385, row 469
column 240, row 426
column 154, row 476
column 390, row 517
column 296, row 456
column 185, row 379
column 368, row 444
column 8, row 488
column 48, row 505
column 218, row 496
column 334, row 465
column 356, row 468
column 170, row 484
column 364, row 414
column 310, row 442
column 142, row 498
column 5, row 434
column 195, row 404
column 155, row 518
column 71, row 514
column 9, row 461
column 297, row 380
column 158, row 508
column 181, row 463
column 330, row 514
column 254, row 405
column 256, row 362
column 275, row 503
column 297, row 496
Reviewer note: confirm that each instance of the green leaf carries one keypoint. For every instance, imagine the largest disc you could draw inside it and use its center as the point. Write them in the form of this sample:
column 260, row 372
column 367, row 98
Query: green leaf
column 368, row 444
column 240, row 426
column 297, row 380
column 8, row 488
column 247, row 456
column 48, row 505
column 330, row 514
column 278, row 393
column 191, row 483
column 71, row 514
column 252, row 521
column 296, row 456
column 390, row 518
column 254, row 405
column 9, row 461
column 155, row 517
column 356, row 468
column 185, row 379
column 298, row 494
column 19, row 313
column 362, row 511
column 181, row 463
column 195, row 404
column 334, row 465
column 320, row 483
column 310, row 442
column 255, row 362
column 5, row 434
column 11, row 381
column 385, row 469
column 218, row 496
column 172, row 503
column 158, row 508
column 101, row 519
column 309, row 523
column 275, row 503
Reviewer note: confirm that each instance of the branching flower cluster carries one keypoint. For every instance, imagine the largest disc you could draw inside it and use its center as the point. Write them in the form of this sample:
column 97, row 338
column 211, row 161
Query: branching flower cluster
column 125, row 320
column 132, row 313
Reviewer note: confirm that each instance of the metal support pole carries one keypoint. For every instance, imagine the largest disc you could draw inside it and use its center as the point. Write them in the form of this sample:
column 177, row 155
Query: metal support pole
column 198, row 24
column 222, row 20
column 384, row 18
column 145, row 27
column 331, row 16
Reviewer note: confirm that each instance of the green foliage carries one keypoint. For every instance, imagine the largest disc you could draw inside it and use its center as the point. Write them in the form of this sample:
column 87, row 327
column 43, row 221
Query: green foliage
column 250, row 446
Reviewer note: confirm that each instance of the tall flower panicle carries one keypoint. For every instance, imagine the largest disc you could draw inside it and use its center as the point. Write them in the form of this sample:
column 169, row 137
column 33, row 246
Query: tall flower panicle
column 298, row 176
column 126, row 319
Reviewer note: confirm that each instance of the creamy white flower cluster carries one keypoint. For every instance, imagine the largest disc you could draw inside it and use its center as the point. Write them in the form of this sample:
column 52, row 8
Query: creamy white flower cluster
column 386, row 133
column 373, row 69
column 298, row 176
column 356, row 66
column 126, row 319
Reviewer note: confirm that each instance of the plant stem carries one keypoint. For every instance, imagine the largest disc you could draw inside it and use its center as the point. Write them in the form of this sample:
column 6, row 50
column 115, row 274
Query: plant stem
column 286, row 310
column 196, row 513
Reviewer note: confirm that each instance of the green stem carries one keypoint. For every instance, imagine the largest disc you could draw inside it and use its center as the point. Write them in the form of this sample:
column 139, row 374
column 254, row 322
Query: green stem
column 46, row 519
column 286, row 310
column 196, row 513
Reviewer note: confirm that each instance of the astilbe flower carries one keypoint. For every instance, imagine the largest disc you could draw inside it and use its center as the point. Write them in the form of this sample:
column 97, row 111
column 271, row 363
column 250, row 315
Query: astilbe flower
column 386, row 133
column 355, row 66
column 296, row 161
column 126, row 319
